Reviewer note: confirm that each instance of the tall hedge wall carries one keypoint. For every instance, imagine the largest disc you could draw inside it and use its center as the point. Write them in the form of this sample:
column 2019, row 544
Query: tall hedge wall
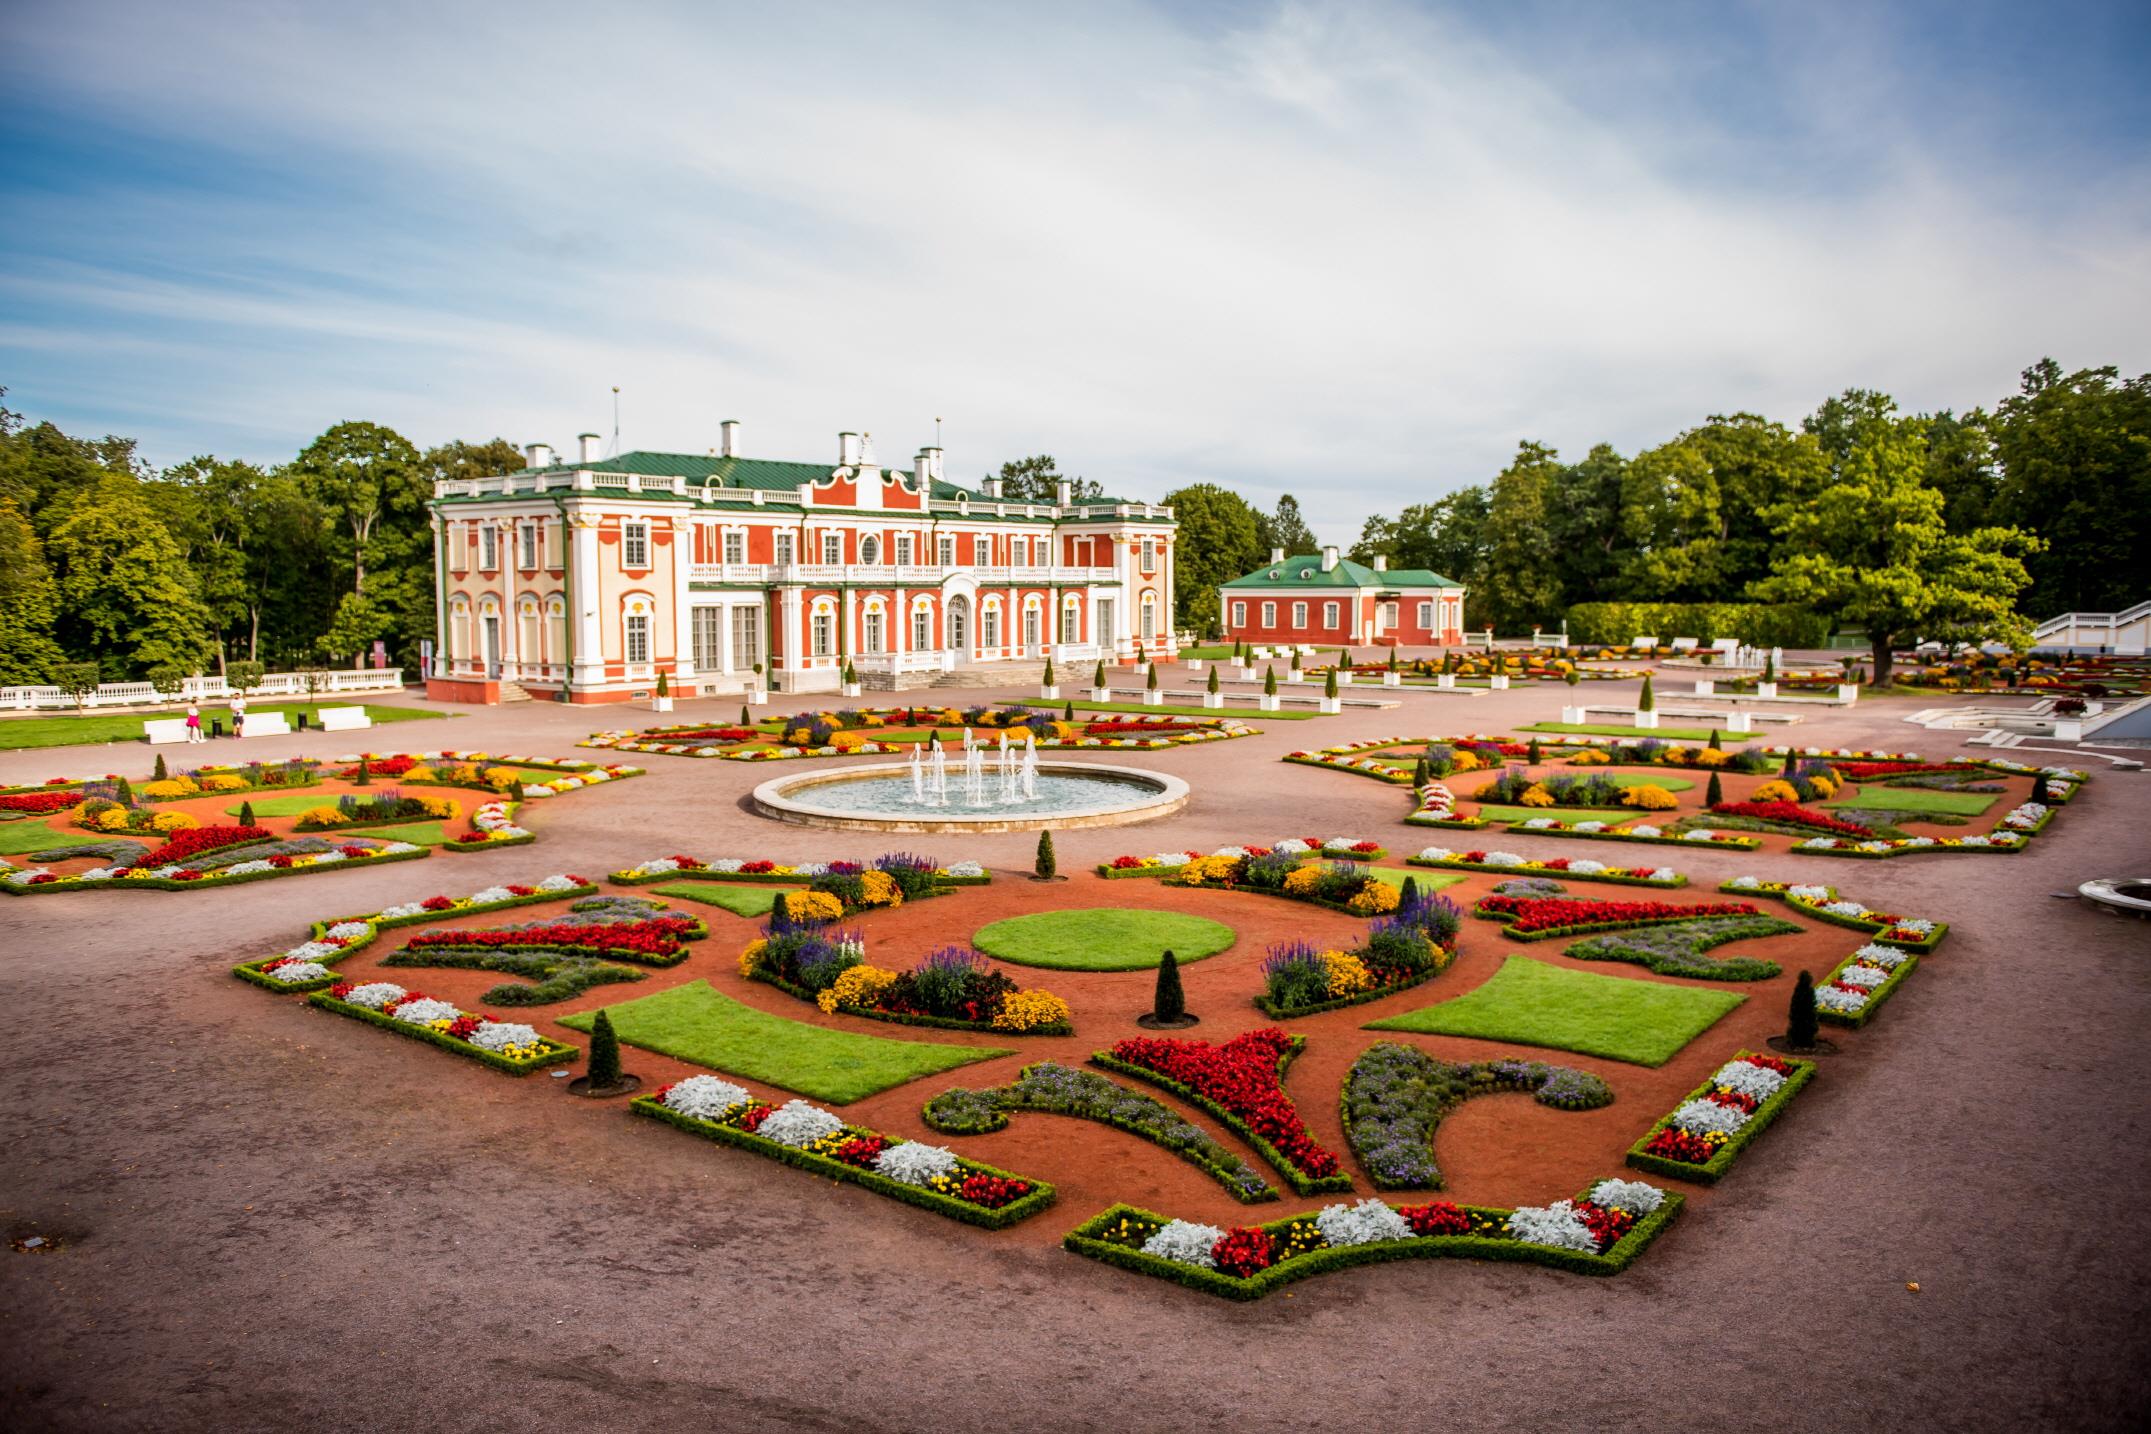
column 1758, row 624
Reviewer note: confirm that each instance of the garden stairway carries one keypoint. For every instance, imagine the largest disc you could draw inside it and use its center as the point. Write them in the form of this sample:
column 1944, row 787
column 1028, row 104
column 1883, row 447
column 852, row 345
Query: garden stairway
column 514, row 692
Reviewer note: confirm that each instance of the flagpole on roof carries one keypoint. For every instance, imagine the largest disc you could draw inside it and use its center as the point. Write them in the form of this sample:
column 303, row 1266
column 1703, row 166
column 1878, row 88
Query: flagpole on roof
column 615, row 422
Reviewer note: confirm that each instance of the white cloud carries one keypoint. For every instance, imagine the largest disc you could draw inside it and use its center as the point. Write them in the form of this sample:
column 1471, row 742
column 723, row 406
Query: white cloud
column 1353, row 252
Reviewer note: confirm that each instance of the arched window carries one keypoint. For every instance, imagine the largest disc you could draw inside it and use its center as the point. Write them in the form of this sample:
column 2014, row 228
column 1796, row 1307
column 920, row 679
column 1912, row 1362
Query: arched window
column 989, row 625
column 821, row 628
column 873, row 625
column 635, row 623
column 1072, row 619
column 922, row 625
column 556, row 630
column 1150, row 616
column 959, row 624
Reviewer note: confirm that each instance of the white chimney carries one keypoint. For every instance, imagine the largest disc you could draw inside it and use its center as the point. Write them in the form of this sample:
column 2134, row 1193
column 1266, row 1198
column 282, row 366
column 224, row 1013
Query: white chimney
column 1381, row 562
column 1064, row 492
column 1277, row 555
column 728, row 441
column 1329, row 558
column 936, row 460
column 847, row 450
column 538, row 455
column 589, row 442
column 991, row 487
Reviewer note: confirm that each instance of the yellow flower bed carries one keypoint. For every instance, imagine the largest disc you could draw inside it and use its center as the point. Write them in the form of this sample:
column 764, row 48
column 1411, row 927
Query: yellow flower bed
column 1774, row 792
column 1348, row 975
column 502, row 779
column 1375, row 899
column 751, row 957
column 811, row 906
column 223, row 782
column 857, row 986
column 1535, row 795
column 1650, row 798
column 1206, row 869
column 1030, row 1009
column 173, row 822
column 878, row 888
column 1590, row 757
column 169, row 787
column 322, row 816
column 1303, row 881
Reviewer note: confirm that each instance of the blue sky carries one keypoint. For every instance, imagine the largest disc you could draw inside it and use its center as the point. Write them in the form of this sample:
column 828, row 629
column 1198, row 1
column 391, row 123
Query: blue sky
column 1353, row 251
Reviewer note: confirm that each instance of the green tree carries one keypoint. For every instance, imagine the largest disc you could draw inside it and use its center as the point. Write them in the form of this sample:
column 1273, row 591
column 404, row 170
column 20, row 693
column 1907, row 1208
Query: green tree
column 127, row 595
column 1447, row 536
column 357, row 623
column 1801, row 1026
column 1872, row 549
column 2075, row 456
column 1584, row 517
column 1037, row 480
column 1286, row 528
column 359, row 473
column 1518, row 586
column 603, row 1073
column 29, row 603
column 1169, row 1004
column 1044, row 865
column 1692, row 510
column 1220, row 539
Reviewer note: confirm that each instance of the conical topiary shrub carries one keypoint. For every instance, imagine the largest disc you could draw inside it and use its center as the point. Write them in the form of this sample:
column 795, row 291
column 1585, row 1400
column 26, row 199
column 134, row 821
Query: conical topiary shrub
column 744, row 719
column 664, row 685
column 1573, row 677
column 2040, row 792
column 1770, row 668
column 1329, row 688
column 1715, row 792
column 1211, row 686
column 1646, row 701
column 1068, row 711
column 1295, row 659
column 1047, row 680
column 1801, row 1027
column 1269, row 681
column 1170, row 1005
column 1097, row 678
column 246, row 814
column 365, row 774
column 124, row 795
column 1716, row 745
column 1045, row 866
column 1533, row 754
column 1150, row 683
column 1409, row 895
column 161, row 774
column 1421, row 773
column 1792, row 762
column 604, row 1072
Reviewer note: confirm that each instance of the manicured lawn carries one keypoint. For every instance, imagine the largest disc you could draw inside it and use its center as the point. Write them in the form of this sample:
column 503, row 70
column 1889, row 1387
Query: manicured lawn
column 739, row 900
column 1917, row 799
column 1501, row 812
column 23, row 837
column 417, row 833
column 20, row 732
column 1533, row 1004
column 1428, row 880
column 284, row 806
column 1104, row 939
column 1596, row 729
column 1650, row 779
column 704, row 1026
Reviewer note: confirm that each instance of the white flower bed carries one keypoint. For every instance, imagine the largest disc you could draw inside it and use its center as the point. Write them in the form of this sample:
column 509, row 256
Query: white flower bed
column 1185, row 1243
column 1836, row 998
column 1642, row 830
column 1810, row 894
column 798, row 1124
column 425, row 1011
column 915, row 1163
column 346, row 931
column 1361, row 1224
column 1706, row 1117
column 1502, row 858
column 1634, row 1196
column 1557, row 1225
column 490, row 895
column 312, row 950
column 497, row 1036
column 399, row 911
column 1874, row 953
column 1699, row 834
column 1596, row 826
column 1748, row 1079
column 248, row 868
column 292, row 973
column 1861, row 975
column 1586, row 868
column 705, row 1097
column 1745, row 883
column 374, row 995
column 1919, row 925
column 1435, row 853
column 1844, row 908
column 1542, row 823
column 1170, row 858
column 557, row 883
column 1664, row 873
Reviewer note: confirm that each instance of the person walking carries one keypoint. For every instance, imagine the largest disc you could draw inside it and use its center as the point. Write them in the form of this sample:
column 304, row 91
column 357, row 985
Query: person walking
column 194, row 723
column 238, row 712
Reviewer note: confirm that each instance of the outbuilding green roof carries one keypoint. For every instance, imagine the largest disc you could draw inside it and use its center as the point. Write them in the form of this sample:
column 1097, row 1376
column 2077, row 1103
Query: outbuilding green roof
column 1305, row 571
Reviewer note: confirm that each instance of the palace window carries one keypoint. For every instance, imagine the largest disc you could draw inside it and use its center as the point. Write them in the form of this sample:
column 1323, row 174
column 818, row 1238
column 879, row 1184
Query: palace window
column 488, row 547
column 947, row 557
column 1332, row 614
column 903, row 549
column 982, row 552
column 870, row 630
column 709, row 638
column 638, row 637
column 1150, row 558
column 824, row 632
column 1299, row 616
column 635, row 545
column 735, row 546
column 1269, row 614
column 870, row 550
column 832, row 548
column 1426, row 615
column 784, row 550
column 1239, row 614
column 922, row 629
column 1071, row 623
column 526, row 536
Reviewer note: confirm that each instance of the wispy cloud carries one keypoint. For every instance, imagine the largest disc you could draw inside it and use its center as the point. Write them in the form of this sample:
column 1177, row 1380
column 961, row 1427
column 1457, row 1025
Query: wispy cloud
column 1355, row 251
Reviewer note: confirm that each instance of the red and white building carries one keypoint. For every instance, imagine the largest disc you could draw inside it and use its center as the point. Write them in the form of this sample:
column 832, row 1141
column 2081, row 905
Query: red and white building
column 1323, row 600
column 592, row 577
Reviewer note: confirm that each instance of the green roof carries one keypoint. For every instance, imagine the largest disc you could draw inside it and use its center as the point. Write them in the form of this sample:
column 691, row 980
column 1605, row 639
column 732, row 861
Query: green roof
column 767, row 474
column 1305, row 571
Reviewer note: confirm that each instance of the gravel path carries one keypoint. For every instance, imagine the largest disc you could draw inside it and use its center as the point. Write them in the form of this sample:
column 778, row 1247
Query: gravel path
column 269, row 1219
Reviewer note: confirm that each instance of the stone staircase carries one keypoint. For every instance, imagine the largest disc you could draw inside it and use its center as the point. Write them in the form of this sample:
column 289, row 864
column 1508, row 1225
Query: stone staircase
column 514, row 692
column 991, row 674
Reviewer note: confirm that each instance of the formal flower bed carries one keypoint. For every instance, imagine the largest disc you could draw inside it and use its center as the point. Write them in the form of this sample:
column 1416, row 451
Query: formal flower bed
column 650, row 941
column 765, row 872
column 953, row 988
column 804, row 1135
column 1601, row 1232
column 387, row 809
column 1791, row 814
column 849, row 732
column 1411, row 945
column 2013, row 833
column 306, row 967
column 508, row 1046
column 1854, row 991
column 1347, row 757
column 1437, row 808
column 1636, row 831
column 41, row 803
column 1707, row 1132
column 263, row 859
column 1915, row 933
column 1542, row 918
column 1577, row 868
column 1241, row 1082
column 1336, row 848
column 1396, row 1097
column 1058, row 1089
column 492, row 824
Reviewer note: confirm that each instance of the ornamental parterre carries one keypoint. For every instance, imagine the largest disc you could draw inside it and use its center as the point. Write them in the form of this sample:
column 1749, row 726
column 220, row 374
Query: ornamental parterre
column 309, row 965
column 1706, row 1133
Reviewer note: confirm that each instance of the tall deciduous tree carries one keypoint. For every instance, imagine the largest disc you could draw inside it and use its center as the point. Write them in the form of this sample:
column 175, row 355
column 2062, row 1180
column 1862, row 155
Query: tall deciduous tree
column 127, row 595
column 1691, row 510
column 1446, row 536
column 358, row 472
column 1873, row 548
column 1584, row 515
column 2075, row 456
column 29, row 603
column 1518, row 586
column 1037, row 480
column 1219, row 539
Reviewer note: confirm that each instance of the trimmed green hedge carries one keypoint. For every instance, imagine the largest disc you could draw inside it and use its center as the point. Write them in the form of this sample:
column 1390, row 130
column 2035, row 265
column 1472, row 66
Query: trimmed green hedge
column 376, row 924
column 1042, row 1194
column 1608, row 624
column 1719, row 1164
column 1554, row 933
column 553, row 1053
column 1852, row 923
column 1387, row 777
column 764, row 878
column 1084, row 1240
column 1299, row 1180
column 209, row 883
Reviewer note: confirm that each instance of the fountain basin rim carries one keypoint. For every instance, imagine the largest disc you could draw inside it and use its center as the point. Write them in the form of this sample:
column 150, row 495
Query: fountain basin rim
column 1168, row 795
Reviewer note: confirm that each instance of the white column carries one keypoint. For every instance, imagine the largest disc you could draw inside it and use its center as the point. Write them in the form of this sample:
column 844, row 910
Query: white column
column 683, row 613
column 900, row 618
column 583, row 583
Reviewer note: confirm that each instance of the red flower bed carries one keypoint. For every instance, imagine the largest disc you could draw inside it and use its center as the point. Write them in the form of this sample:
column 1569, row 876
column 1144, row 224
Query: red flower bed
column 1868, row 771
column 861, row 1150
column 750, row 1119
column 705, row 734
column 657, row 936
column 1129, row 727
column 39, row 802
column 1770, row 1063
column 757, row 868
column 992, row 1191
column 1241, row 1076
column 1555, row 913
column 1247, row 1250
column 1606, row 1225
column 1436, row 1217
column 382, row 767
column 1792, row 814
column 1679, row 1145
column 196, row 840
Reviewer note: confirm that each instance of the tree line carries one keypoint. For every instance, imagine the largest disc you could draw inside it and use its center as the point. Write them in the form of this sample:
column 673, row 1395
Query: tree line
column 106, row 561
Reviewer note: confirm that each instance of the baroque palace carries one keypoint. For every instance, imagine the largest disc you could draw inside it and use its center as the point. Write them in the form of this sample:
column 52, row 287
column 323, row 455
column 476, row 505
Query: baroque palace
column 587, row 579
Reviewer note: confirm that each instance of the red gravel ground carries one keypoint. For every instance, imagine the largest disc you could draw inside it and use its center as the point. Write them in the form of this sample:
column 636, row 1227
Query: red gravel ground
column 269, row 1217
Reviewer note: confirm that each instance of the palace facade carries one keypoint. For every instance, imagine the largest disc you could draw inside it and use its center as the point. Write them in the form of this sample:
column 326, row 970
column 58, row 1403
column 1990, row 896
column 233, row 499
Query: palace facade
column 1321, row 599
column 590, row 578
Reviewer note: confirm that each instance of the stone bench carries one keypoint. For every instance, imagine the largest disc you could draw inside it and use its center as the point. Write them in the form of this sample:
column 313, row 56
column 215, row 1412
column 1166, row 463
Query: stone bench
column 264, row 724
column 344, row 719
column 165, row 729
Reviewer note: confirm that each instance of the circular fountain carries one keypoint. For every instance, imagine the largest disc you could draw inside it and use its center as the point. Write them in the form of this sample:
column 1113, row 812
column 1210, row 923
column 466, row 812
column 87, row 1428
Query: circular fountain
column 1009, row 790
